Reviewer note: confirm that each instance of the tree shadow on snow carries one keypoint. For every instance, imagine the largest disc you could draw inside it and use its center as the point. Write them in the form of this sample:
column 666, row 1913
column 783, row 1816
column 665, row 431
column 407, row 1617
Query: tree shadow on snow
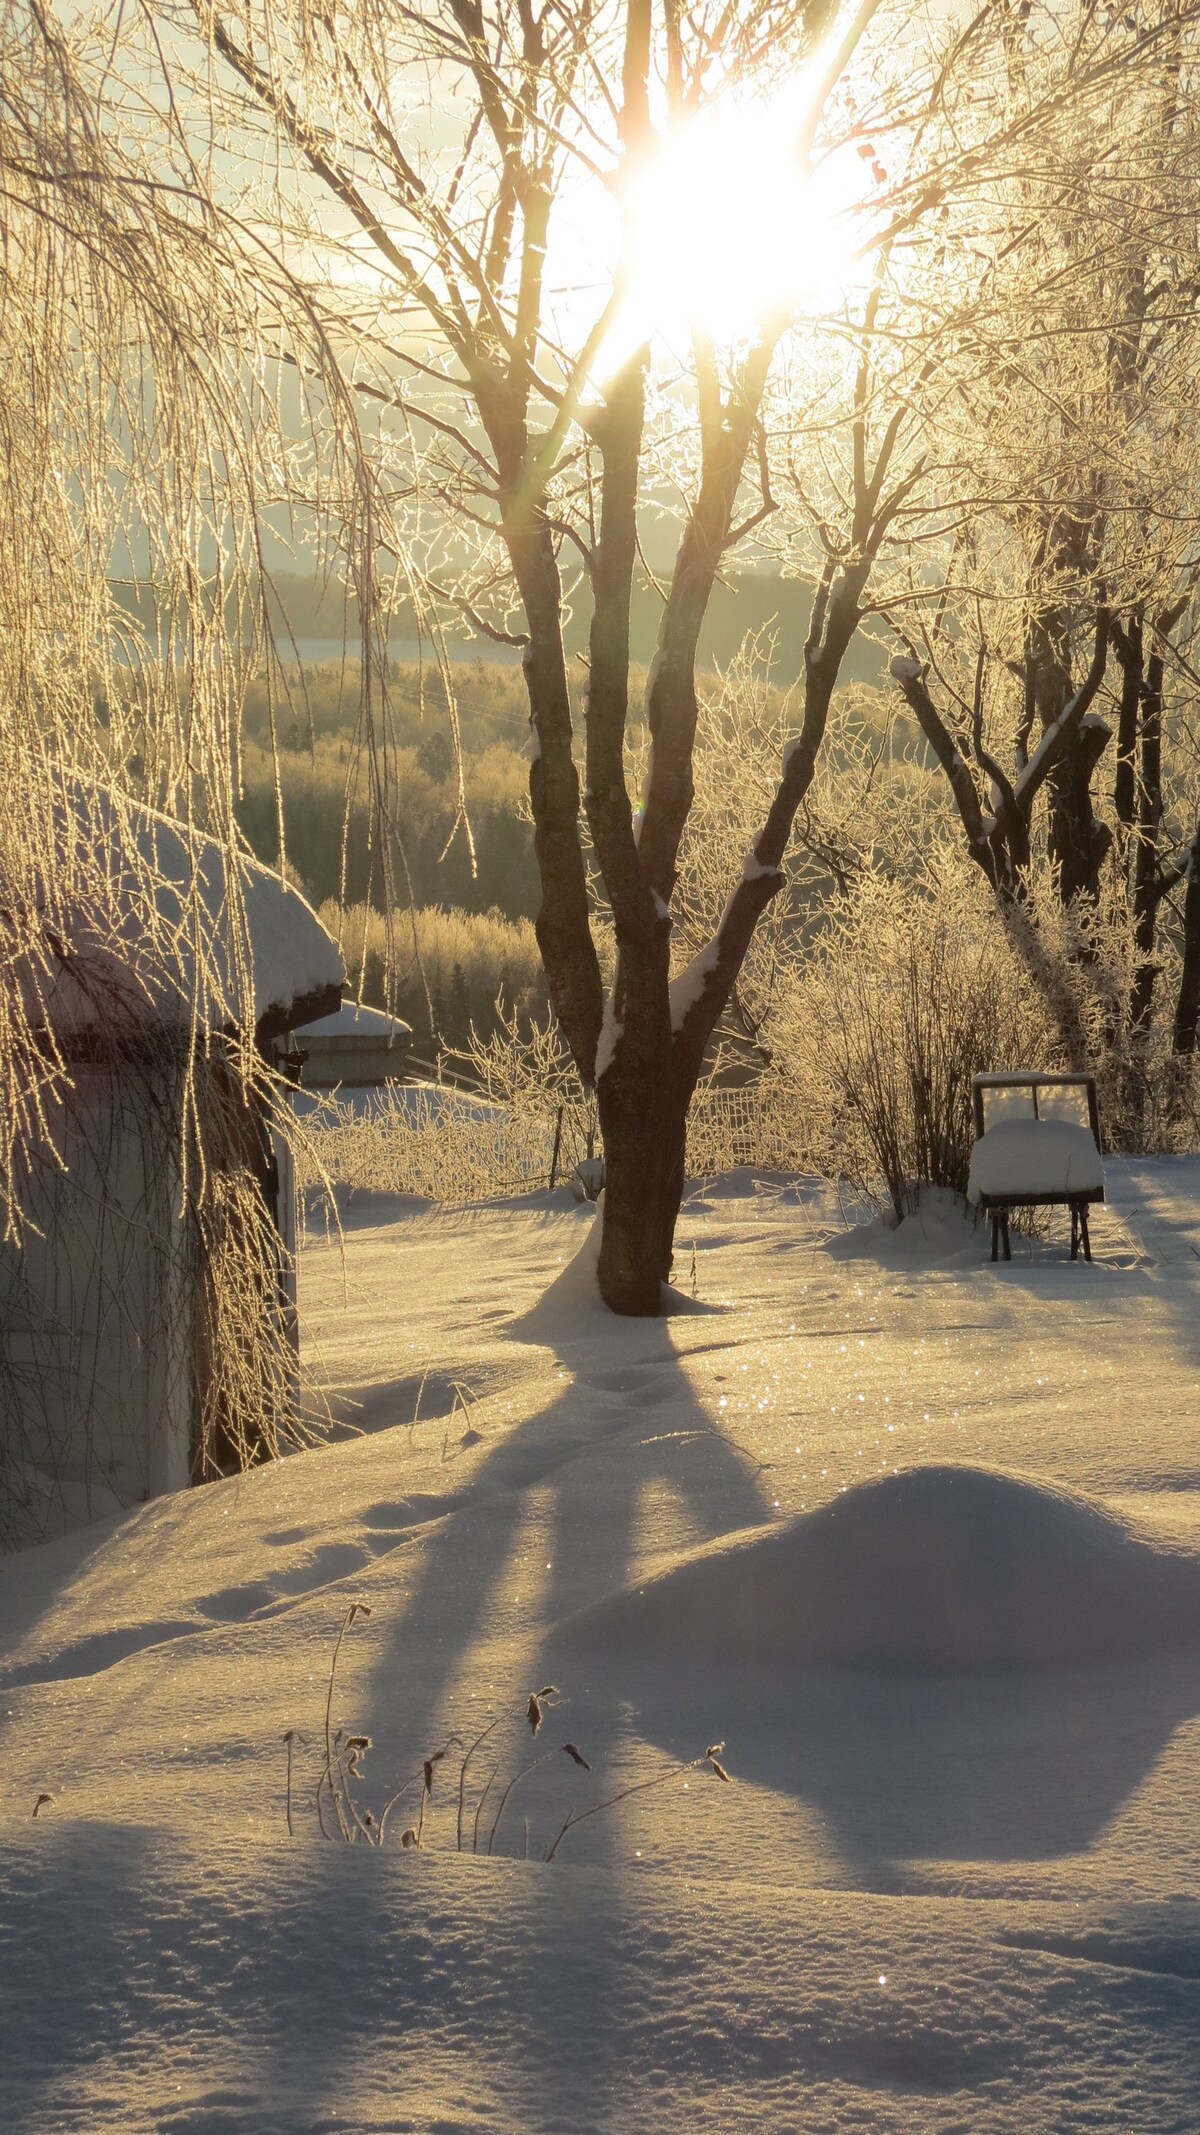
column 553, row 1510
column 957, row 1768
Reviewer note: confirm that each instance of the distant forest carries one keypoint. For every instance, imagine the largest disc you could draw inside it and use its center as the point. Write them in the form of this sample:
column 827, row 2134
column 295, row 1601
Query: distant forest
column 307, row 724
column 308, row 613
column 758, row 604
column 322, row 780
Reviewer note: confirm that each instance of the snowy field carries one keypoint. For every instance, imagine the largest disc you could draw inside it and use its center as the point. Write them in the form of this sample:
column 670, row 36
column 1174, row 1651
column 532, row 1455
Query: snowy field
column 955, row 1881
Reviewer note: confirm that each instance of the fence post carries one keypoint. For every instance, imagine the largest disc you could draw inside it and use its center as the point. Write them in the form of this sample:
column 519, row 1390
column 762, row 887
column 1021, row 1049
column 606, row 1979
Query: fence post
column 558, row 1124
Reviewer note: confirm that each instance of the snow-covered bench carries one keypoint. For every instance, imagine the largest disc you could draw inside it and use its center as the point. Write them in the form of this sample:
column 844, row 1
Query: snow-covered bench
column 1037, row 1142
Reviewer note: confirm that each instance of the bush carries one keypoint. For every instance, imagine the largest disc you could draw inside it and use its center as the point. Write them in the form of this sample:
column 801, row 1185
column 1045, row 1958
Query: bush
column 910, row 992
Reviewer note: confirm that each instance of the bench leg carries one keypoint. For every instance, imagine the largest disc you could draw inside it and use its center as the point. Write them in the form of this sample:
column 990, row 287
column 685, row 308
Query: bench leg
column 995, row 1235
column 1004, row 1231
column 1087, row 1243
column 1074, row 1230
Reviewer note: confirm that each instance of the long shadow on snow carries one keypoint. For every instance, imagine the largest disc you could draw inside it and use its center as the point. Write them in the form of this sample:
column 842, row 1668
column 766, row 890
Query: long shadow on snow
column 920, row 1768
column 622, row 1431
column 951, row 1662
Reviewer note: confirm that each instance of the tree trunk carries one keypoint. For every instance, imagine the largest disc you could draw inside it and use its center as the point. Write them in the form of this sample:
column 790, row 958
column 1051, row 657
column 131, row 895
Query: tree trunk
column 1130, row 654
column 1187, row 1007
column 1078, row 840
column 1145, row 863
column 562, row 925
column 644, row 1138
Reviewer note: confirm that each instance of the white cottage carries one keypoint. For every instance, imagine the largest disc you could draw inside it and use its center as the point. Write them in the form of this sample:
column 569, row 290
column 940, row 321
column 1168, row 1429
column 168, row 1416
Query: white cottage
column 129, row 1361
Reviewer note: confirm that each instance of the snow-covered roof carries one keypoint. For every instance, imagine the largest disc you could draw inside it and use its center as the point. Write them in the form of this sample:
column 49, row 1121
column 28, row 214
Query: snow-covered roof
column 148, row 921
column 355, row 1020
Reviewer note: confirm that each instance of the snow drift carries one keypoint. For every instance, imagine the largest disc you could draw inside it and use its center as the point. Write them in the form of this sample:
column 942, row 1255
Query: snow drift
column 933, row 1568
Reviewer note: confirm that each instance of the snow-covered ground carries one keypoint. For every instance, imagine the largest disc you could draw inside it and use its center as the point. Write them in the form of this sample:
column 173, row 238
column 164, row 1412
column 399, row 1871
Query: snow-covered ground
column 955, row 1883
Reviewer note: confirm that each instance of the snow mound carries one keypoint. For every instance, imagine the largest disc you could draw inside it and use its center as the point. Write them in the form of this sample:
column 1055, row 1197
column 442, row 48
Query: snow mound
column 572, row 1303
column 934, row 1568
column 940, row 1229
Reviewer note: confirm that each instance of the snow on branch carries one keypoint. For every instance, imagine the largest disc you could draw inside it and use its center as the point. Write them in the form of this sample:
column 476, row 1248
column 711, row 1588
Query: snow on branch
column 754, row 869
column 687, row 988
column 611, row 1032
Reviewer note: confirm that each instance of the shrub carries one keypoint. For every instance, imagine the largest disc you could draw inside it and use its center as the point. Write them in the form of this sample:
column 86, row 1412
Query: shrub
column 909, row 993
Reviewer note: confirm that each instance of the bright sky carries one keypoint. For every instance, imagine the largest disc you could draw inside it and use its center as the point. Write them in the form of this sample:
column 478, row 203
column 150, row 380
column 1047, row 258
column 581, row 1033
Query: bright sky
column 727, row 224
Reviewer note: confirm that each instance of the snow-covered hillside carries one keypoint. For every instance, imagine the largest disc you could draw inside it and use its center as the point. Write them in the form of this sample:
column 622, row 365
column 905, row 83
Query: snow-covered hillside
column 955, row 1883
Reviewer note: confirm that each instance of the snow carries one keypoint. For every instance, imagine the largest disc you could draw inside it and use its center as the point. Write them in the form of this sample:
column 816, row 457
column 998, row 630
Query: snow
column 934, row 1568
column 1035, row 1156
column 753, row 869
column 917, row 1536
column 211, row 925
column 1019, row 1078
column 355, row 1020
column 1030, row 776
column 610, row 1034
column 687, row 987
column 904, row 669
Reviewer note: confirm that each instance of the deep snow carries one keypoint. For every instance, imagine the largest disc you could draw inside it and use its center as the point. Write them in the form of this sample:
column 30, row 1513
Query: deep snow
column 956, row 1881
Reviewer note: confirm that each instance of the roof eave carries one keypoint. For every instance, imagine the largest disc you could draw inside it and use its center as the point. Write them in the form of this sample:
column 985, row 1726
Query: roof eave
column 276, row 1022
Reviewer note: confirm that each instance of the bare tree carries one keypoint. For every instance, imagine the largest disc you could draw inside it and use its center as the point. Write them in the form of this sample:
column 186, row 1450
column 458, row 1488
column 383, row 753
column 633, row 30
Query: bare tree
column 443, row 173
column 468, row 194
column 1074, row 535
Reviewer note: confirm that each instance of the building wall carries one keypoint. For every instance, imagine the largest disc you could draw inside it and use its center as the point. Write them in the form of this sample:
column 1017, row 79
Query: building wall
column 97, row 1378
column 354, row 1061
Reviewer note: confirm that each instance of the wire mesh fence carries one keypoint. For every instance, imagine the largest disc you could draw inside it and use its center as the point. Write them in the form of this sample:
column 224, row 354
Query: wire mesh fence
column 445, row 1145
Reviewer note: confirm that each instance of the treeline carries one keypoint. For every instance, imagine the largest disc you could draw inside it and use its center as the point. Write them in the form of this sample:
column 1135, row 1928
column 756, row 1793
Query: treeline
column 453, row 974
column 762, row 603
column 464, row 955
column 308, row 726
column 308, row 731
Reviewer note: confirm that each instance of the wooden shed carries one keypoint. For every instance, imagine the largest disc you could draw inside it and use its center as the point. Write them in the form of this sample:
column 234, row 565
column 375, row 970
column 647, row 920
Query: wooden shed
column 120, row 1360
column 354, row 1048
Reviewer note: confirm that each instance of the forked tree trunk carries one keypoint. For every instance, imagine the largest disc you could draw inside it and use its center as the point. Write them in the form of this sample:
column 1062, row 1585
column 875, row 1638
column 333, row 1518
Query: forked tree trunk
column 643, row 1183
column 1078, row 840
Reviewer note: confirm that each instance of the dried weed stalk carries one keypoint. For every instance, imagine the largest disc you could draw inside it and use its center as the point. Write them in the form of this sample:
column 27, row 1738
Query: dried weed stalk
column 344, row 1755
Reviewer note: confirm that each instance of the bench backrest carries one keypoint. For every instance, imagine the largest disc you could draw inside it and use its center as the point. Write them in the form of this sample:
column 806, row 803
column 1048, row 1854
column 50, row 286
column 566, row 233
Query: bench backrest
column 1025, row 1093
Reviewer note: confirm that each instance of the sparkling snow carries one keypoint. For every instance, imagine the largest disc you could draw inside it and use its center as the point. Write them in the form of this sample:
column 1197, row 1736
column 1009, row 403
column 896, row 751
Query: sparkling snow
column 956, row 1882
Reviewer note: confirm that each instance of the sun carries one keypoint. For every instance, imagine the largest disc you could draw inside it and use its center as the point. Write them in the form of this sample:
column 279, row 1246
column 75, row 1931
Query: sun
column 728, row 223
column 724, row 225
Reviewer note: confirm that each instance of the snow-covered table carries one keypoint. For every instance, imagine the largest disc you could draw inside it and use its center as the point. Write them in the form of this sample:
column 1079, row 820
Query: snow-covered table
column 1037, row 1143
